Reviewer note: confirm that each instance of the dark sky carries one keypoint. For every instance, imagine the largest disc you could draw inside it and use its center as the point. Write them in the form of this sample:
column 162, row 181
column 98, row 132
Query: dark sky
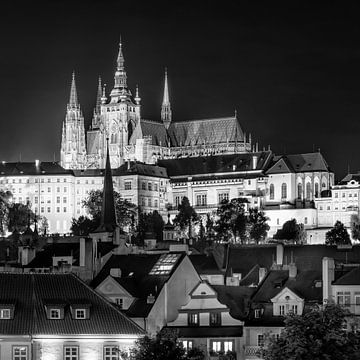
column 292, row 71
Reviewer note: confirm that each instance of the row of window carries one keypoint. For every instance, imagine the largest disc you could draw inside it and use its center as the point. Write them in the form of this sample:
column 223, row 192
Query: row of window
column 214, row 319
column 111, row 352
column 300, row 195
column 150, row 186
column 344, row 298
column 216, row 346
column 355, row 195
column 149, row 202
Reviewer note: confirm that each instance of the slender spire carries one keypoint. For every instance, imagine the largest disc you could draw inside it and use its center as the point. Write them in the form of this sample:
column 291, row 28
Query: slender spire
column 166, row 107
column 98, row 96
column 120, row 58
column 137, row 97
column 73, row 101
column 108, row 215
column 120, row 74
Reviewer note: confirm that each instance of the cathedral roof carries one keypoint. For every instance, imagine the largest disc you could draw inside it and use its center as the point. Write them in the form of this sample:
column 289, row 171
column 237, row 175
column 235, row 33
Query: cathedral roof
column 218, row 164
column 298, row 163
column 155, row 129
column 213, row 130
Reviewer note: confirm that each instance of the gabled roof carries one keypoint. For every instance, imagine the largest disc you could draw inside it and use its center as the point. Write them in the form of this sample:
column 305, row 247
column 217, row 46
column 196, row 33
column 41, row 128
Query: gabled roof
column 349, row 177
column 350, row 278
column 136, row 278
column 31, row 292
column 30, row 168
column 205, row 264
column 309, row 162
column 232, row 164
column 205, row 131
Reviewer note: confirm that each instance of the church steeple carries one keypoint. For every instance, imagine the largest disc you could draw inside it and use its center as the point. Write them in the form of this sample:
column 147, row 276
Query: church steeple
column 98, row 96
column 108, row 214
column 166, row 107
column 73, row 101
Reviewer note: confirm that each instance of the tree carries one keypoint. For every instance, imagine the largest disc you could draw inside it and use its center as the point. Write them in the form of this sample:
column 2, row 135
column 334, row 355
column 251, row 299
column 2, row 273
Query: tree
column 83, row 225
column 316, row 335
column 355, row 227
column 338, row 235
column 5, row 197
column 186, row 216
column 125, row 210
column 163, row 346
column 258, row 226
column 18, row 217
column 232, row 221
column 43, row 225
column 290, row 230
column 210, row 228
column 153, row 222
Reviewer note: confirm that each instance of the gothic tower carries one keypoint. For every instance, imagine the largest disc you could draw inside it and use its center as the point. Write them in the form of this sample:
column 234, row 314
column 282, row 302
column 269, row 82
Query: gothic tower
column 73, row 149
column 119, row 116
column 165, row 107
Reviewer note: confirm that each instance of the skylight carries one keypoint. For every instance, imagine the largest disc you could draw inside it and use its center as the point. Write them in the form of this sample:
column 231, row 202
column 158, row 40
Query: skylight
column 165, row 264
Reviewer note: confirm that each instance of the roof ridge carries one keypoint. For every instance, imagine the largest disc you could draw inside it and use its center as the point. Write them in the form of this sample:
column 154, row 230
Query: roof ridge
column 206, row 119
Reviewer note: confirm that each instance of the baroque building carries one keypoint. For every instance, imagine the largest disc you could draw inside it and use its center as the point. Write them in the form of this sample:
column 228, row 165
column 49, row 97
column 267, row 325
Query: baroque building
column 117, row 117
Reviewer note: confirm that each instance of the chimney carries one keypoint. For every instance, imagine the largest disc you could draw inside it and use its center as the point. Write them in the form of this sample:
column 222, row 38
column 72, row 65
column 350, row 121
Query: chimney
column 150, row 299
column 279, row 254
column 82, row 252
column 262, row 274
column 37, row 163
column 254, row 162
column 128, row 164
column 328, row 276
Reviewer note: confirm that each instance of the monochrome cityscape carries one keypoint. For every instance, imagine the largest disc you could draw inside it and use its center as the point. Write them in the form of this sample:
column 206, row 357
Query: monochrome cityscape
column 174, row 238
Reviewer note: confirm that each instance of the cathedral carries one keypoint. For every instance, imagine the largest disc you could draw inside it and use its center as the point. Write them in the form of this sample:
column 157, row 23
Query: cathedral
column 117, row 120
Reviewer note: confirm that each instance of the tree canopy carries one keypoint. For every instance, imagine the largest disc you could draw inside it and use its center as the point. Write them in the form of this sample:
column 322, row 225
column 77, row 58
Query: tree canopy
column 163, row 346
column 186, row 216
column 258, row 226
column 291, row 231
column 338, row 235
column 150, row 222
column 355, row 227
column 231, row 222
column 316, row 335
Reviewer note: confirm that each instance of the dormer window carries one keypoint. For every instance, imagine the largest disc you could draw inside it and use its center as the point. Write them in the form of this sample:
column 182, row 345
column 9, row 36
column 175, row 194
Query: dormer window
column 5, row 314
column 215, row 319
column 54, row 314
column 257, row 313
column 80, row 314
column 193, row 319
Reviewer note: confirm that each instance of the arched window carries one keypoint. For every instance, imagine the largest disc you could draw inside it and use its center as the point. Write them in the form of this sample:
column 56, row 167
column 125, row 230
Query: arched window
column 299, row 191
column 308, row 191
column 113, row 138
column 316, row 190
column 283, row 191
column 130, row 130
column 272, row 192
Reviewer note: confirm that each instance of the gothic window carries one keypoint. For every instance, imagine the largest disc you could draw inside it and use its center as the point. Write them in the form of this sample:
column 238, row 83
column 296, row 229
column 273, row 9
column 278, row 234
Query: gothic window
column 308, row 191
column 283, row 191
column 316, row 190
column 130, row 129
column 113, row 138
column 272, row 192
column 299, row 191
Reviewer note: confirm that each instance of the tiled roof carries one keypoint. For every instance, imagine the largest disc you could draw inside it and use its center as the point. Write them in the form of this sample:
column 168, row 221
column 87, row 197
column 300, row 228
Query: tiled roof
column 137, row 268
column 30, row 293
column 205, row 264
column 211, row 165
column 155, row 129
column 298, row 163
column 350, row 177
column 205, row 131
column 43, row 258
column 30, row 168
column 350, row 278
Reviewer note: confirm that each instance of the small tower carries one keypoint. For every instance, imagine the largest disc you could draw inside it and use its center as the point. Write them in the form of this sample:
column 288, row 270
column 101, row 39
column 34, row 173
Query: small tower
column 97, row 110
column 166, row 107
column 73, row 149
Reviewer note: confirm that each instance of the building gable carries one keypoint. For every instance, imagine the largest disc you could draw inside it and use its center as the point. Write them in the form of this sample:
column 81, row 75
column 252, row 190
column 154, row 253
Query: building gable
column 280, row 167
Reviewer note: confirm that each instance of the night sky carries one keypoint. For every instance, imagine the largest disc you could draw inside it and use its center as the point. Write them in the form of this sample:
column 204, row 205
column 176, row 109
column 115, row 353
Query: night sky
column 291, row 71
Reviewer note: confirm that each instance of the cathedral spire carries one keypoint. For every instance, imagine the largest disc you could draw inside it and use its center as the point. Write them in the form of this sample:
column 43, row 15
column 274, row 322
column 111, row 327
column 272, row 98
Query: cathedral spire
column 166, row 107
column 98, row 96
column 108, row 216
column 73, row 101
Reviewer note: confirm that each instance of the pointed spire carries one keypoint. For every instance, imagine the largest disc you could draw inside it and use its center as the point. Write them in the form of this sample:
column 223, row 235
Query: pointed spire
column 98, row 96
column 108, row 215
column 103, row 97
column 137, row 97
column 166, row 107
column 73, row 101
column 120, row 58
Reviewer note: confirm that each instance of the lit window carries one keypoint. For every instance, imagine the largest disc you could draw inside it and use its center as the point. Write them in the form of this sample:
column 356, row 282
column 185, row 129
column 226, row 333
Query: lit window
column 282, row 309
column 272, row 192
column 5, row 313
column 80, row 313
column 343, row 298
column 150, row 186
column 187, row 344
column 257, row 313
column 193, row 319
column 71, row 353
column 223, row 196
column 54, row 314
column 216, row 346
column 283, row 191
column 111, row 352
column 20, row 353
column 155, row 187
column 201, row 199
column 165, row 264
column 127, row 185
column 228, row 346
